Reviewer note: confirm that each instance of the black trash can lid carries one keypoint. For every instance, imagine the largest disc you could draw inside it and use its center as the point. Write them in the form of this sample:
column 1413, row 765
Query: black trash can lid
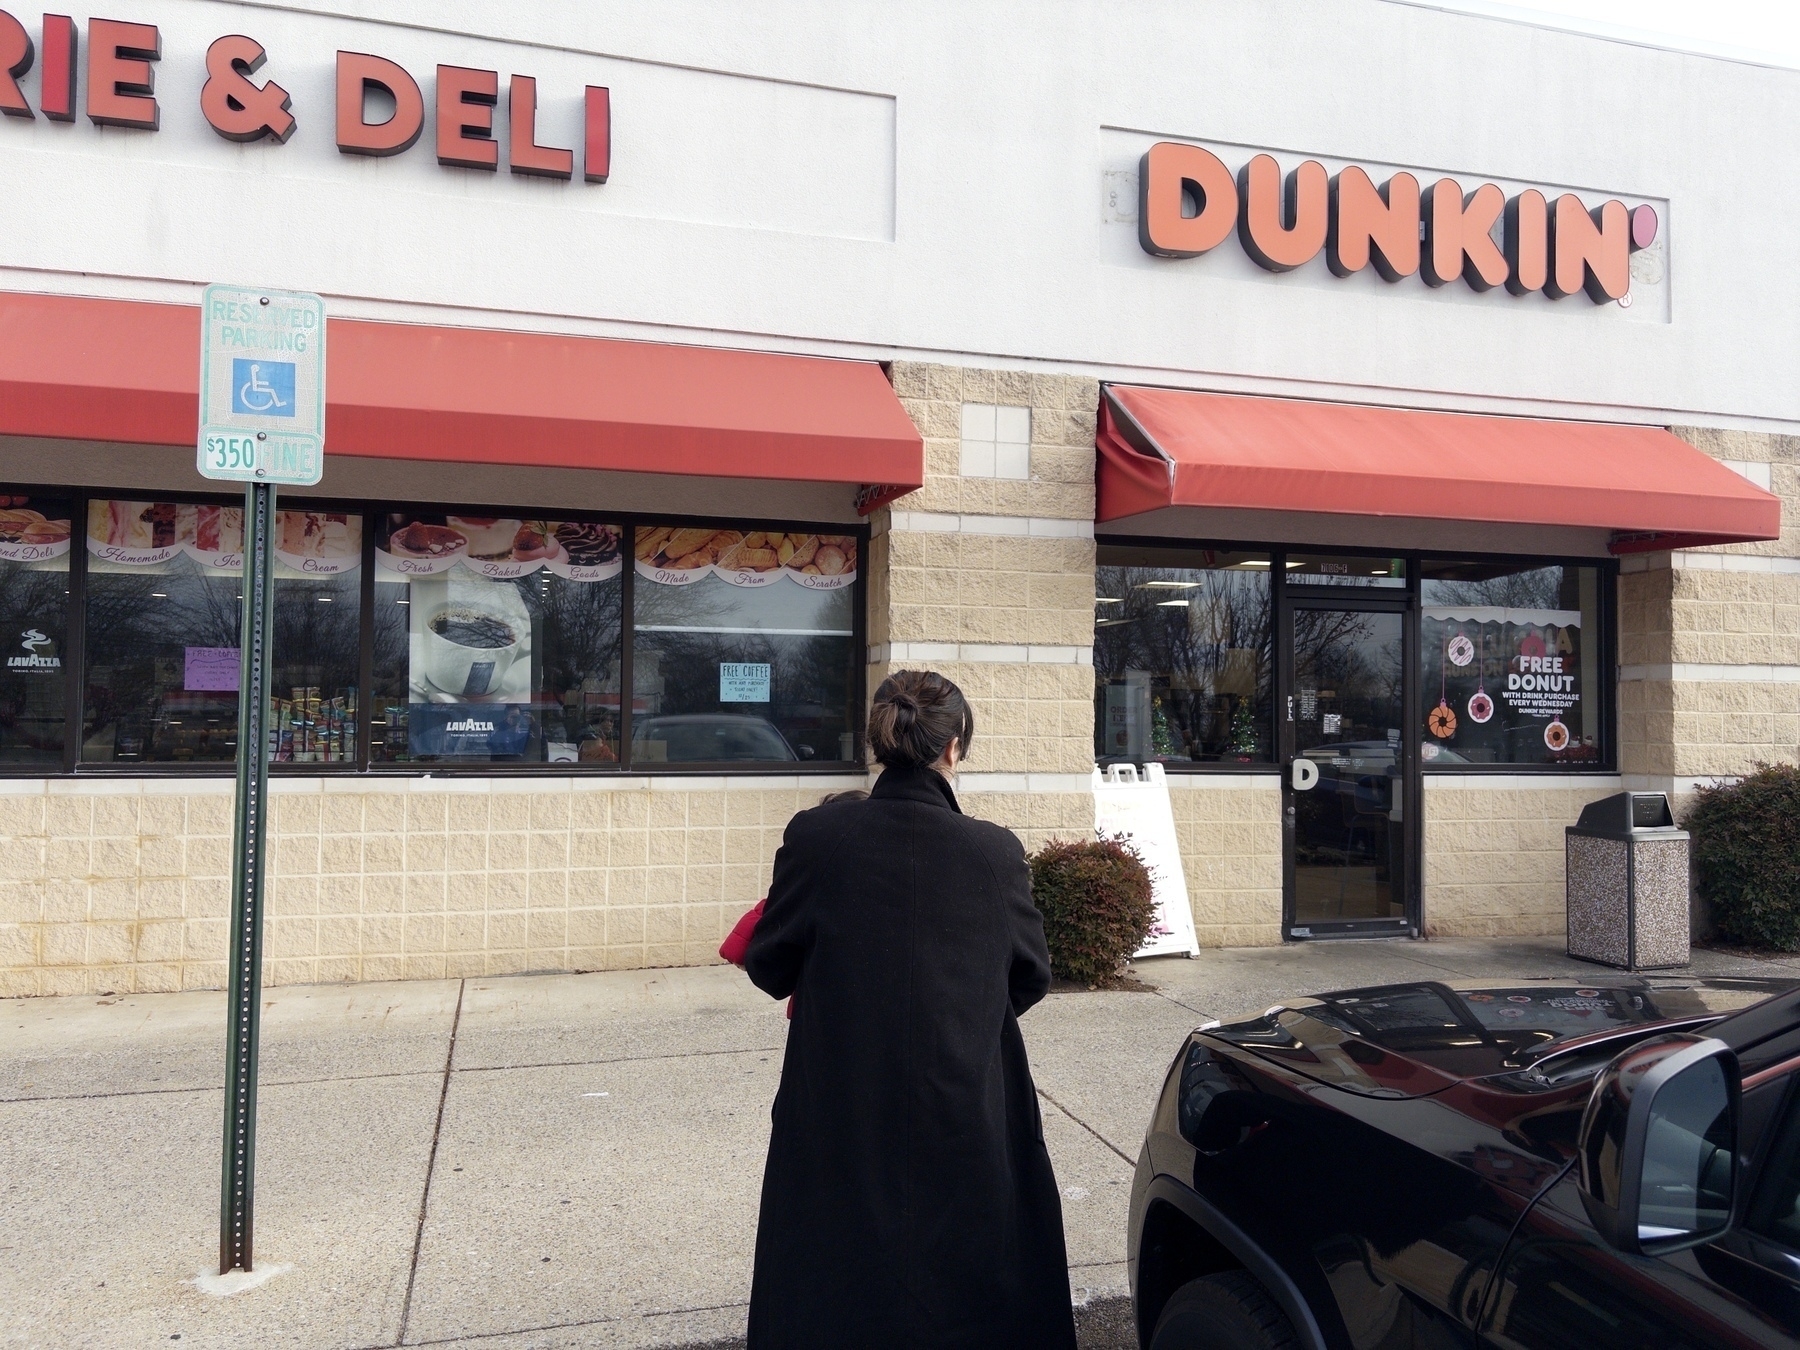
column 1624, row 812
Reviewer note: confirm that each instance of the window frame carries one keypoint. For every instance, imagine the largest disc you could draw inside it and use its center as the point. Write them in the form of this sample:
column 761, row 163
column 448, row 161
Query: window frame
column 629, row 522
column 1282, row 592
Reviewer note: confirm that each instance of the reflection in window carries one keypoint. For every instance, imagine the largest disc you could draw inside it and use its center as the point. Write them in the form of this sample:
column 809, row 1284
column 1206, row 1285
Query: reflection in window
column 164, row 601
column 1510, row 663
column 34, row 613
column 1323, row 569
column 744, row 646
column 497, row 639
column 1183, row 656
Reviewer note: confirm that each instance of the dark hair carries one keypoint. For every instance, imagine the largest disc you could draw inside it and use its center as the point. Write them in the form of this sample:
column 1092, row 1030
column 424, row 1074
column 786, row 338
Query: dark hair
column 853, row 795
column 915, row 715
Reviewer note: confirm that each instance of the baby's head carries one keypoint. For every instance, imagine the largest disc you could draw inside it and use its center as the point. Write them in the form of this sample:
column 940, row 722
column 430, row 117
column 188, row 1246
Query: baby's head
column 853, row 795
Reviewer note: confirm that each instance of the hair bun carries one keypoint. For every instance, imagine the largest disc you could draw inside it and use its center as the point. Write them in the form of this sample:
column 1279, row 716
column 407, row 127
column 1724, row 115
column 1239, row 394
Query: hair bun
column 914, row 716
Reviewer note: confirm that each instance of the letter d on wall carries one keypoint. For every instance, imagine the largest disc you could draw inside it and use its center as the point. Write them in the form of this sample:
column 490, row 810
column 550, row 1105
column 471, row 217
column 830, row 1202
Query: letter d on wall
column 1170, row 175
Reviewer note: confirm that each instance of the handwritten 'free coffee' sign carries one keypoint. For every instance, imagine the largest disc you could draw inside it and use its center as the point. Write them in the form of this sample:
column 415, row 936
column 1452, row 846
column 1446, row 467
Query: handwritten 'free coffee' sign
column 262, row 386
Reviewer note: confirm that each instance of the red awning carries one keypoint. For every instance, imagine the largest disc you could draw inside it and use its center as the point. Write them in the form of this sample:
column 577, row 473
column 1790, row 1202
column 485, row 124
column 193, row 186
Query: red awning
column 1164, row 448
column 115, row 370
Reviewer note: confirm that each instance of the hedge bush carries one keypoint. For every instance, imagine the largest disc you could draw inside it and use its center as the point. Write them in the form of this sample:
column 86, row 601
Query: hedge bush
column 1746, row 851
column 1095, row 899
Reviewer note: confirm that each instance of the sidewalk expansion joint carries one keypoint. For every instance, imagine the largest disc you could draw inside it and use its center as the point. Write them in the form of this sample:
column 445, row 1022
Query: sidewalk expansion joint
column 462, row 1338
column 619, row 1059
column 1124, row 1157
column 203, row 1087
column 437, row 1130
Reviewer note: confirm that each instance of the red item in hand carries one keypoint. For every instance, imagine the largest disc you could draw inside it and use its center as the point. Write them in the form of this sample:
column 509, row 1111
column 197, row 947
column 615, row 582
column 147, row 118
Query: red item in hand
column 737, row 943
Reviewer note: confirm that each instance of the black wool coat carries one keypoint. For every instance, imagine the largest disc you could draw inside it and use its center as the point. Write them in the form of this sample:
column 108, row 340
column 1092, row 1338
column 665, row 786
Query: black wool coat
column 908, row 1200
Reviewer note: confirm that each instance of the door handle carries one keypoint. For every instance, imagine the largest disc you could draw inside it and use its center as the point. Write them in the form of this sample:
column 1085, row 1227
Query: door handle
column 1304, row 776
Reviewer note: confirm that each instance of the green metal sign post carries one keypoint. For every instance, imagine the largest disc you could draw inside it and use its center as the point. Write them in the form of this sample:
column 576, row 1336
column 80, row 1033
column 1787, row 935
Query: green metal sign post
column 262, row 422
column 237, row 1196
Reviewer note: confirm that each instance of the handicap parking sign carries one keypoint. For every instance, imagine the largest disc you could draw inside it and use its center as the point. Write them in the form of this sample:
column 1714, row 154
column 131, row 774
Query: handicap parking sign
column 265, row 388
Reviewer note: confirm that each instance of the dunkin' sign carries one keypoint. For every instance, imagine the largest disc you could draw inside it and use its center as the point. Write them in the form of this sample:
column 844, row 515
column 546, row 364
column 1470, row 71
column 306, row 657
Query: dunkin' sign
column 1190, row 202
column 120, row 63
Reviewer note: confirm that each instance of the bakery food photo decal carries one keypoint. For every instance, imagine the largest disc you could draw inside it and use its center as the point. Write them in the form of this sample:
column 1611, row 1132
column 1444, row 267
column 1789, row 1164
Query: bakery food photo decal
column 677, row 555
column 500, row 548
column 32, row 529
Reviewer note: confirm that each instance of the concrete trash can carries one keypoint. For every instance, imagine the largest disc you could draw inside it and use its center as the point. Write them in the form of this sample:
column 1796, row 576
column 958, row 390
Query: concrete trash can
column 1627, row 883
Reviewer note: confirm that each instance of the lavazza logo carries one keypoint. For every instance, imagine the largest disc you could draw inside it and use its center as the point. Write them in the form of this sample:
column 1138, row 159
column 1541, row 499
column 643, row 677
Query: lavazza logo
column 36, row 646
column 469, row 724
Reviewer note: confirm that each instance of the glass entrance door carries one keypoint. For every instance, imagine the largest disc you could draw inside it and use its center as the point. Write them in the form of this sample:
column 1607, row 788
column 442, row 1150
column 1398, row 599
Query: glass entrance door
column 1348, row 782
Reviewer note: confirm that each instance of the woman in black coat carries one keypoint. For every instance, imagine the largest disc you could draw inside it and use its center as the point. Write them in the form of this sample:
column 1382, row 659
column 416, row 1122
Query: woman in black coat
column 908, row 1200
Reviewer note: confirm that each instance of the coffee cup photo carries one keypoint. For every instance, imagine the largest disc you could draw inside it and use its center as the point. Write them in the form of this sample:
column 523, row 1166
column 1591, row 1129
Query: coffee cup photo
column 468, row 650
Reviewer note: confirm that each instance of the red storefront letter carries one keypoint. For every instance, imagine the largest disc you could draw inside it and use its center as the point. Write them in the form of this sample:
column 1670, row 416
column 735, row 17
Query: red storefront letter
column 1282, row 235
column 56, row 77
column 235, row 108
column 465, row 117
column 1370, row 224
column 525, row 154
column 1591, row 250
column 596, row 155
column 1169, row 175
column 121, row 81
column 1459, row 238
column 16, row 54
column 357, row 74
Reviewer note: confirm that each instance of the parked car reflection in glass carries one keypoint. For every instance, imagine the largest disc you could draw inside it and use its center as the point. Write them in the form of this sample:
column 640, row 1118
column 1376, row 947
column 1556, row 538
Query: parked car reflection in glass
column 705, row 738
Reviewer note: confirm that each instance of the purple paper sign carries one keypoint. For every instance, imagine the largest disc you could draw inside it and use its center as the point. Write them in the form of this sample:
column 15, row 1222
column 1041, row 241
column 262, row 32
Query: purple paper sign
column 212, row 668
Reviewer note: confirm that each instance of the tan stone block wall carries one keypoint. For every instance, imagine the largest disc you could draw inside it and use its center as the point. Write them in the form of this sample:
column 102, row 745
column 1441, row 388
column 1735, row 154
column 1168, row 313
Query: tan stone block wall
column 1063, row 411
column 989, row 588
column 1695, row 609
column 1688, row 614
column 1782, row 453
column 1029, row 717
column 1036, row 817
column 1494, row 855
column 1707, row 728
column 126, row 885
column 1230, row 835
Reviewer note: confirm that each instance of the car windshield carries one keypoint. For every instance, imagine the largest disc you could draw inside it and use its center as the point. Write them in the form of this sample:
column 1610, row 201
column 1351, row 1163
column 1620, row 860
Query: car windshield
column 703, row 739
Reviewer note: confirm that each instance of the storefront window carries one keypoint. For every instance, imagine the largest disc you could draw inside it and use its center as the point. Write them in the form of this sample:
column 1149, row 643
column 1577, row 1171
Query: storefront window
column 34, row 612
column 1345, row 569
column 744, row 646
column 1510, row 664
column 1183, row 656
column 164, row 601
column 498, row 639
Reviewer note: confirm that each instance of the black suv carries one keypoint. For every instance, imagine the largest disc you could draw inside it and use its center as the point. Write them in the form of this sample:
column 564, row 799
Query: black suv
column 1605, row 1167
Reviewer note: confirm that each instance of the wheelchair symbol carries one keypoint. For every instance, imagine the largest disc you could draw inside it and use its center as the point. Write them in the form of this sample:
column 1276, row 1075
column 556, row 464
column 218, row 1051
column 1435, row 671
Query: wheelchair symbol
column 262, row 387
column 257, row 396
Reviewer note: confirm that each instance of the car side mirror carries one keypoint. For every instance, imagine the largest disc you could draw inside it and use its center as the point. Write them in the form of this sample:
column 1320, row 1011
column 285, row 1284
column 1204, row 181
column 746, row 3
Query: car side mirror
column 1658, row 1145
column 807, row 752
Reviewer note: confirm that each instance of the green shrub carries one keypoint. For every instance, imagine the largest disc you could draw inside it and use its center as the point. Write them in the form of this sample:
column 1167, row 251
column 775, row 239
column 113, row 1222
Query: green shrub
column 1095, row 899
column 1746, row 851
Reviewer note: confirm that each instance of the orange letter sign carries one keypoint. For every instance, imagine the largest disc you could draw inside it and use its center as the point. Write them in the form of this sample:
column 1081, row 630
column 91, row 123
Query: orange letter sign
column 1527, row 242
column 1170, row 175
column 1282, row 235
column 1592, row 250
column 1459, row 235
column 1374, row 224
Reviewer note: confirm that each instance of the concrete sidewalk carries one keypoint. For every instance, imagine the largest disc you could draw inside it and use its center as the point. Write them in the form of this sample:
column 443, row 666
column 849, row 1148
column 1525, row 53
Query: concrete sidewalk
column 538, row 1161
